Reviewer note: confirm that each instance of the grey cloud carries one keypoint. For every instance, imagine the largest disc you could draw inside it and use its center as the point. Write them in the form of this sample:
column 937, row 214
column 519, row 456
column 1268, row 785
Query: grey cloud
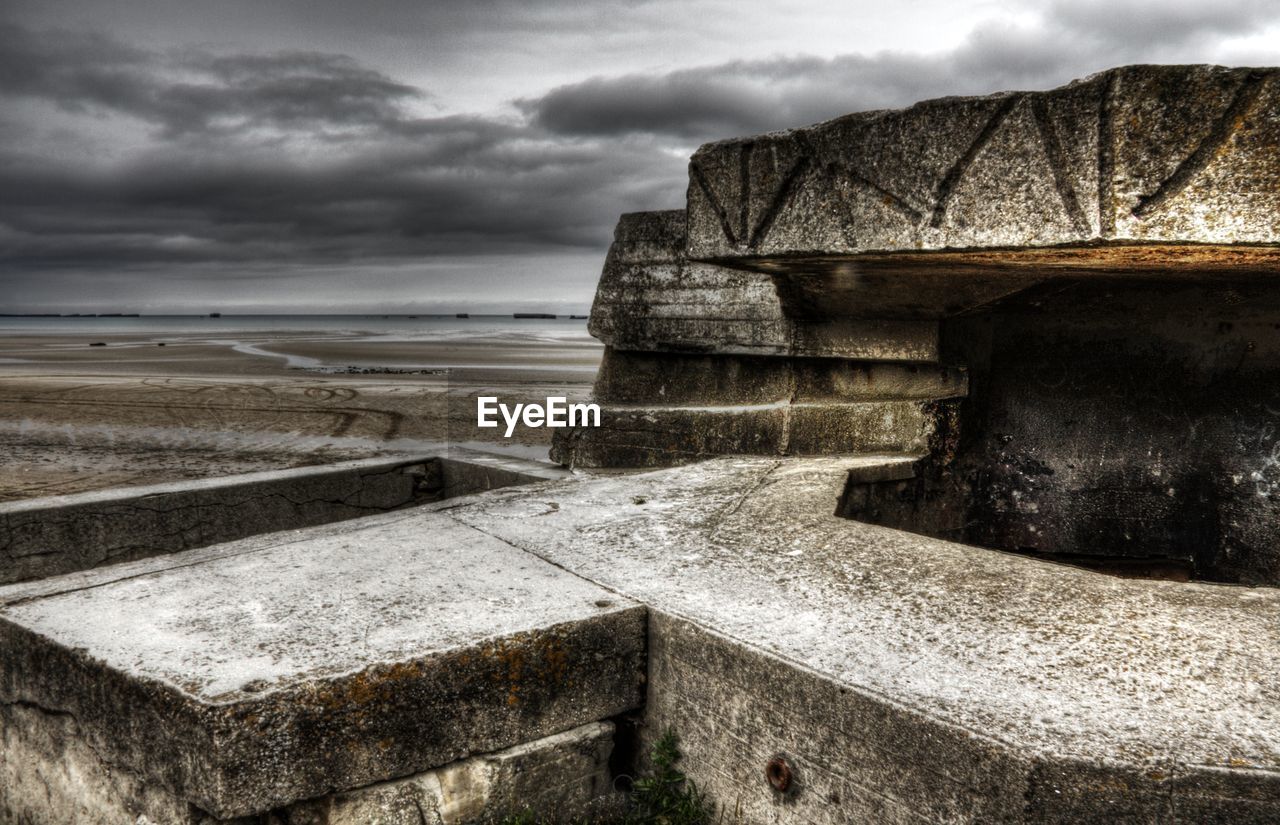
column 196, row 92
column 292, row 157
column 1069, row 40
column 461, row 186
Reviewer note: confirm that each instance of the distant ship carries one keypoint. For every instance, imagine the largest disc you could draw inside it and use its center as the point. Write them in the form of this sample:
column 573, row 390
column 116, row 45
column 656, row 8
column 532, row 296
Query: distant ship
column 532, row 315
column 578, row 317
column 215, row 314
column 463, row 315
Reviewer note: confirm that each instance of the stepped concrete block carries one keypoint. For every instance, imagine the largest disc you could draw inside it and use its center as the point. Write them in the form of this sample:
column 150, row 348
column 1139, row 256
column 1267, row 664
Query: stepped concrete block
column 907, row 678
column 662, row 436
column 652, row 298
column 243, row 678
column 951, row 203
column 558, row 777
column 722, row 380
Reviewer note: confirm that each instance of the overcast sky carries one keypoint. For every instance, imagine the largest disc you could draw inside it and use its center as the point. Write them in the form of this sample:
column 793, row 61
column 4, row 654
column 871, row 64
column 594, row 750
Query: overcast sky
column 388, row 155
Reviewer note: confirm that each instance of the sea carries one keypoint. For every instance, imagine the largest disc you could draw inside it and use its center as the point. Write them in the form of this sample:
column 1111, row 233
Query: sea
column 383, row 327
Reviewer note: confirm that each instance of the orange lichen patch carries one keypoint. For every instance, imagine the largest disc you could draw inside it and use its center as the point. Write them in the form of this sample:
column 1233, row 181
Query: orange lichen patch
column 370, row 687
column 525, row 660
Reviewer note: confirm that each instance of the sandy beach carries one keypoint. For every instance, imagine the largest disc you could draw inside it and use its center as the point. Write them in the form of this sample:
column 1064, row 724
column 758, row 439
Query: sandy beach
column 92, row 408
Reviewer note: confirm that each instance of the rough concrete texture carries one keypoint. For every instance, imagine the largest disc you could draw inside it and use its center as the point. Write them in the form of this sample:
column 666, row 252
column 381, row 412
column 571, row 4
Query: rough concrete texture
column 49, row 536
column 1088, row 176
column 662, row 436
column 559, row 776
column 1124, row 425
column 652, row 298
column 251, row 678
column 727, row 380
column 910, row 678
column 703, row 360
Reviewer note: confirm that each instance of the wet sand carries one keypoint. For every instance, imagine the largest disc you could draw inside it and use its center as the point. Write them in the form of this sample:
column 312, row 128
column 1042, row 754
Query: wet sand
column 77, row 417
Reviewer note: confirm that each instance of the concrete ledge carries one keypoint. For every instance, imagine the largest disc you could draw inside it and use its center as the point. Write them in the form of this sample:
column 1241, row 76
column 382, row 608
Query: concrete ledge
column 465, row 472
column 247, row 681
column 1136, row 155
column 649, row 436
column 651, row 298
column 60, row 534
column 50, row 536
column 903, row 678
column 642, row 378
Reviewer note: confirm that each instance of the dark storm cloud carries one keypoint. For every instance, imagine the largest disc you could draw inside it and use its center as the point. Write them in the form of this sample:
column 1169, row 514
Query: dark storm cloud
column 459, row 187
column 290, row 157
column 193, row 91
column 744, row 97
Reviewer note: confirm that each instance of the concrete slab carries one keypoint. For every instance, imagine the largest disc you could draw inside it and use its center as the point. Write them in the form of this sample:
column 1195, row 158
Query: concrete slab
column 248, row 678
column 911, row 678
column 1135, row 155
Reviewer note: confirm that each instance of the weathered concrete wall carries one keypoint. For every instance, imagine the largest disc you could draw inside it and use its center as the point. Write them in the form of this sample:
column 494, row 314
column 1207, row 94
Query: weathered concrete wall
column 51, row 536
column 1132, row 422
column 856, row 758
column 50, row 775
column 1130, row 426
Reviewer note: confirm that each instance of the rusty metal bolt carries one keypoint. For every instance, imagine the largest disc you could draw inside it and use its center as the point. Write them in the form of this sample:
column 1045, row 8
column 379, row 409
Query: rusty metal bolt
column 778, row 772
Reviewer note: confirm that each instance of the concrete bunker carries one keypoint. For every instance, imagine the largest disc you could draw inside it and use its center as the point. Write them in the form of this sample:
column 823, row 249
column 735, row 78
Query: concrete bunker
column 1062, row 302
